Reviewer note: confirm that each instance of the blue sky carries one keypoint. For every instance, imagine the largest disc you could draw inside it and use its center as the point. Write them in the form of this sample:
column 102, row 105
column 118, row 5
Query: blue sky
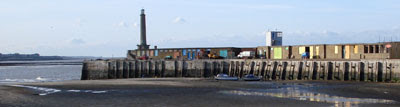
column 110, row 27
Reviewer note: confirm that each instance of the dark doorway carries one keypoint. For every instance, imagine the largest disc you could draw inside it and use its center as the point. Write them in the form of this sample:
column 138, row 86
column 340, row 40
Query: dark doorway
column 290, row 52
column 269, row 53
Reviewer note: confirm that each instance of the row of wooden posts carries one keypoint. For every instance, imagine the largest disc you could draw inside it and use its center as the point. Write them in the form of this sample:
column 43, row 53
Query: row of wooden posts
column 269, row 70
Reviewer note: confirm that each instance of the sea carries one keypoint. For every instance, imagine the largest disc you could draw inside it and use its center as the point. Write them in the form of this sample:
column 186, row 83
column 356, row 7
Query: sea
column 39, row 71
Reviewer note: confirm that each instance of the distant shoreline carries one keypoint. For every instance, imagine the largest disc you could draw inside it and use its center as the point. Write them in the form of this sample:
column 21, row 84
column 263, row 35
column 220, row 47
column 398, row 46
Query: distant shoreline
column 41, row 62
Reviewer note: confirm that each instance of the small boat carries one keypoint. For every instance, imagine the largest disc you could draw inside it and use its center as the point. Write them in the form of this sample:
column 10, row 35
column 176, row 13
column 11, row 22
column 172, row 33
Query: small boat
column 226, row 77
column 251, row 77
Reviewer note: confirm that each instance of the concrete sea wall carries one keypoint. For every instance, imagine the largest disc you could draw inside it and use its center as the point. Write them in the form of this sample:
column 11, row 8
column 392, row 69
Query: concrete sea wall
column 362, row 70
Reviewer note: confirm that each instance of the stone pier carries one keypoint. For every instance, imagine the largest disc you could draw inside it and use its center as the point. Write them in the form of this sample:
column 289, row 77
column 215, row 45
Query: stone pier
column 361, row 70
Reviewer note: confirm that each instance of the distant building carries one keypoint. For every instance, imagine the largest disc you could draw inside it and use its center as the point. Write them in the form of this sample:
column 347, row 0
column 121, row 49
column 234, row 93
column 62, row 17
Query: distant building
column 274, row 38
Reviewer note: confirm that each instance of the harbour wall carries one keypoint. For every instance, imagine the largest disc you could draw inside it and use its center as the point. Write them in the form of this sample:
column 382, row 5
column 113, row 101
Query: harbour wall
column 344, row 70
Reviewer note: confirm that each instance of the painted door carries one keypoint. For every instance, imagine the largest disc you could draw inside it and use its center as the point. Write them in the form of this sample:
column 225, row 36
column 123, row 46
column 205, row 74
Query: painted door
column 278, row 53
column 347, row 52
column 189, row 56
column 311, row 52
column 155, row 52
column 176, row 55
column 193, row 55
column 184, row 52
column 151, row 53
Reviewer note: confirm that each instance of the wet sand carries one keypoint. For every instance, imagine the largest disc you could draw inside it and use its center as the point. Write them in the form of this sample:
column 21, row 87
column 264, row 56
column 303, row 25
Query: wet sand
column 200, row 92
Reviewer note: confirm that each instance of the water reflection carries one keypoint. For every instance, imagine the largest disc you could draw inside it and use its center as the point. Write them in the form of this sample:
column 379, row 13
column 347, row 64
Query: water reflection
column 298, row 94
column 46, row 91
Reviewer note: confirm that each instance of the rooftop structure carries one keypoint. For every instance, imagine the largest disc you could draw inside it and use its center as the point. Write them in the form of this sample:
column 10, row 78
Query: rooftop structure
column 274, row 38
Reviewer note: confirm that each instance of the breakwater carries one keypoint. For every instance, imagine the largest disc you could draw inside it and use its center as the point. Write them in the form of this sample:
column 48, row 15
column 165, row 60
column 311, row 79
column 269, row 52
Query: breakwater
column 360, row 70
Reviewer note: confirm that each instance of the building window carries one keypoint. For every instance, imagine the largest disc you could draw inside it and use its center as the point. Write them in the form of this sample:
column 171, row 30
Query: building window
column 371, row 49
column 376, row 48
column 302, row 50
column 381, row 49
column 365, row 49
column 336, row 49
column 355, row 49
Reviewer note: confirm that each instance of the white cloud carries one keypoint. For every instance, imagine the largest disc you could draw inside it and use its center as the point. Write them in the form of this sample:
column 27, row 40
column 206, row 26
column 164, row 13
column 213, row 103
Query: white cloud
column 179, row 20
column 122, row 24
column 79, row 22
column 76, row 41
column 333, row 37
column 395, row 27
column 51, row 28
column 135, row 24
column 268, row 6
column 253, row 6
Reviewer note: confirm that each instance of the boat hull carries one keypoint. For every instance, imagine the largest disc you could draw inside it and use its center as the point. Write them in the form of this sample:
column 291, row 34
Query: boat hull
column 251, row 79
column 227, row 79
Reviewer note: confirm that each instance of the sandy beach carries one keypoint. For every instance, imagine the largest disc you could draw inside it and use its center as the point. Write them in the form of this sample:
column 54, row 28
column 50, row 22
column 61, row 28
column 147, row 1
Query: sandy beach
column 199, row 92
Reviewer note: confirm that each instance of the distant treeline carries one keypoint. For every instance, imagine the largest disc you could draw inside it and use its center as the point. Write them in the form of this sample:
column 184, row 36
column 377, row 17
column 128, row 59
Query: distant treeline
column 27, row 57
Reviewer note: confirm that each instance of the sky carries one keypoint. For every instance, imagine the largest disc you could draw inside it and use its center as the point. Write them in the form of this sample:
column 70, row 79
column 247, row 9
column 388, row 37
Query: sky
column 109, row 28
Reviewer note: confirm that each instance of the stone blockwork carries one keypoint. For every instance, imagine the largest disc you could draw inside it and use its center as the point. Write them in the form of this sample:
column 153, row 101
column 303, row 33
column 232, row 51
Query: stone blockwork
column 363, row 70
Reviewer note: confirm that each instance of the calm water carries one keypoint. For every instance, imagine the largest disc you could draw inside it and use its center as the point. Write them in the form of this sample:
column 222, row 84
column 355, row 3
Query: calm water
column 40, row 72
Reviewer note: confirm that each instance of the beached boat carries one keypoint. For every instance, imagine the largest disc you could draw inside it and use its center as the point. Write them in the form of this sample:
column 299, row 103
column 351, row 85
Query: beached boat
column 226, row 77
column 251, row 77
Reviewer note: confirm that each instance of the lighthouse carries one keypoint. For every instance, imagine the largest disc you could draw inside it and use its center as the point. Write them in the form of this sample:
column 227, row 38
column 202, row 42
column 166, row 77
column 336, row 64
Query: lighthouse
column 143, row 44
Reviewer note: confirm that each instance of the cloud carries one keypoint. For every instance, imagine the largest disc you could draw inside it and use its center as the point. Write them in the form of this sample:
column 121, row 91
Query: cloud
column 179, row 20
column 79, row 22
column 253, row 6
column 268, row 6
column 333, row 37
column 396, row 28
column 212, row 40
column 122, row 24
column 76, row 41
column 51, row 28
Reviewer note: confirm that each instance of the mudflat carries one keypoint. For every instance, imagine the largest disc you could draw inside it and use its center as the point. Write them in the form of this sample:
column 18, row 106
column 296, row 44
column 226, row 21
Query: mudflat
column 199, row 92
